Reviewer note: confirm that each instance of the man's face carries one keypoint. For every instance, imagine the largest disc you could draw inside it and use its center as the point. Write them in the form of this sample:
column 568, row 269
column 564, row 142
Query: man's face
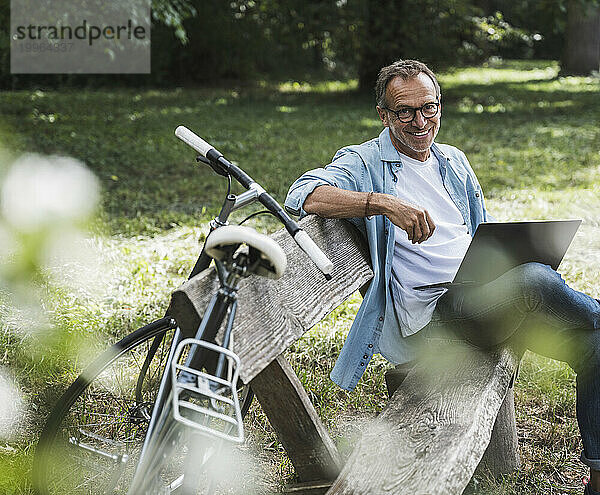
column 412, row 138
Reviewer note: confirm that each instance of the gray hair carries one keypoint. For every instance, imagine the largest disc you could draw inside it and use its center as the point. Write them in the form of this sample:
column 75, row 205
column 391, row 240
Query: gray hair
column 405, row 69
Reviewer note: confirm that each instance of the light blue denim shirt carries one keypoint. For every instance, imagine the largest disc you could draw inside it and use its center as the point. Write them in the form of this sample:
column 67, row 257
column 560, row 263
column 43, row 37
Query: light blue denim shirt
column 375, row 166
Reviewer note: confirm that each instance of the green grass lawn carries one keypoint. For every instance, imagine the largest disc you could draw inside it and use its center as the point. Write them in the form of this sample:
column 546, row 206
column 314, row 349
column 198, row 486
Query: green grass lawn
column 533, row 139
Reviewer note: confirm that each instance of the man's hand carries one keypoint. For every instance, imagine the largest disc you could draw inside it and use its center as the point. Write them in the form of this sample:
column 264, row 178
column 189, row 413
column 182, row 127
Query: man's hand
column 415, row 221
column 331, row 202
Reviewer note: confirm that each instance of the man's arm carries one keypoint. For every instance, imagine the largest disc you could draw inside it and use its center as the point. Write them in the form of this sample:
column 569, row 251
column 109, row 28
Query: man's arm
column 333, row 202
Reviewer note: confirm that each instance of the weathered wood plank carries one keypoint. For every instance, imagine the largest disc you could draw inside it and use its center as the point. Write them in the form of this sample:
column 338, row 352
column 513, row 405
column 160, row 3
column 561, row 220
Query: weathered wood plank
column 272, row 314
column 502, row 453
column 296, row 422
column 434, row 431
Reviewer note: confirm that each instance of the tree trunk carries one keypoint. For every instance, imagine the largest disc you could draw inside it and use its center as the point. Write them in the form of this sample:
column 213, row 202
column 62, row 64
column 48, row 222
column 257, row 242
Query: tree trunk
column 582, row 47
column 381, row 42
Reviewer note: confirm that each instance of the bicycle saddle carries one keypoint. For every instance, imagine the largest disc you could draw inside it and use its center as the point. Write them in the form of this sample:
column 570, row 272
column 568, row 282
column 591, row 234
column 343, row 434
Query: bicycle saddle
column 272, row 261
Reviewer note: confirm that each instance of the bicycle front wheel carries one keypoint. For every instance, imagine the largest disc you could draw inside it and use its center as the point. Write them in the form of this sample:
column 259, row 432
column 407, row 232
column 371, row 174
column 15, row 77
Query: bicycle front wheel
column 92, row 438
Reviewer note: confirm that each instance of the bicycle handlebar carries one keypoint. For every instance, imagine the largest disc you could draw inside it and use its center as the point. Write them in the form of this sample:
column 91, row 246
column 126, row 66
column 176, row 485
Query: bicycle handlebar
column 318, row 257
column 191, row 139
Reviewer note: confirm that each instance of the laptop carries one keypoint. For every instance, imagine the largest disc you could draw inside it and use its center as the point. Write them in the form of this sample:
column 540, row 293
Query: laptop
column 499, row 246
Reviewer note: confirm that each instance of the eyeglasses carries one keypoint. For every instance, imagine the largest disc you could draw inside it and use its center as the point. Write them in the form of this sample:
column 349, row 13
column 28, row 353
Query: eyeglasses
column 407, row 114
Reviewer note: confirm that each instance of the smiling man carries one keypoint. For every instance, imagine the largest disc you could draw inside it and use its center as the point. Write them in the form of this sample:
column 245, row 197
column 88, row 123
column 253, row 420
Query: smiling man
column 418, row 203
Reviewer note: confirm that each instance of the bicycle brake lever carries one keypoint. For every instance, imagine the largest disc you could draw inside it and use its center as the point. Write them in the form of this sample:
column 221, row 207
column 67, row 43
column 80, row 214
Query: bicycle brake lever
column 216, row 168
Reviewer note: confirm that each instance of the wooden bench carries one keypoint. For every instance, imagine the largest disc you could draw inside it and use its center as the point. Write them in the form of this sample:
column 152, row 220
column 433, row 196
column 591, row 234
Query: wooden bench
column 455, row 405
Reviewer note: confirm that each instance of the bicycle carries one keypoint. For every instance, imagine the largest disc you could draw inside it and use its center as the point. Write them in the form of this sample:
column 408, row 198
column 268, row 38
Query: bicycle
column 150, row 412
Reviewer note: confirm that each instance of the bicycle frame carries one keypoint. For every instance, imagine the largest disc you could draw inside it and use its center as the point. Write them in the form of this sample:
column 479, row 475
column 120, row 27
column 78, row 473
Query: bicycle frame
column 230, row 204
column 223, row 304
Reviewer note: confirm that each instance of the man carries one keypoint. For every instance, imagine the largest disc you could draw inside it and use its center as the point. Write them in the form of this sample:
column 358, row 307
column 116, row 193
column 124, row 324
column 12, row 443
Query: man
column 419, row 203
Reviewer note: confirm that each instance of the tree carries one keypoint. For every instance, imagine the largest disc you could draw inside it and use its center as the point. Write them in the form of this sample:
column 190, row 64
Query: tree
column 437, row 32
column 582, row 48
column 382, row 41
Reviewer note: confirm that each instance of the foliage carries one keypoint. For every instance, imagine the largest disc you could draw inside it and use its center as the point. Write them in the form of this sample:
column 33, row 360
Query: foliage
column 432, row 31
column 195, row 41
column 295, row 37
column 498, row 36
column 167, row 14
column 172, row 13
column 441, row 33
column 242, row 38
column 543, row 21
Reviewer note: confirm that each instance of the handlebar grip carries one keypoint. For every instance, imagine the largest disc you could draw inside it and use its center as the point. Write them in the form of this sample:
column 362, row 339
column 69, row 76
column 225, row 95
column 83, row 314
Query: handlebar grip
column 191, row 139
column 314, row 252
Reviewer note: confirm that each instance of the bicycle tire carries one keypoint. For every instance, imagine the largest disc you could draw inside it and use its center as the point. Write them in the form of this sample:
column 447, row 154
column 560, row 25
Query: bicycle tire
column 100, row 407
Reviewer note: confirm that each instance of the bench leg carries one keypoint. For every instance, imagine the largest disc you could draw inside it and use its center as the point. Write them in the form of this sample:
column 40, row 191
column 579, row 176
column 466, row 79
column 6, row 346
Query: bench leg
column 502, row 454
column 297, row 424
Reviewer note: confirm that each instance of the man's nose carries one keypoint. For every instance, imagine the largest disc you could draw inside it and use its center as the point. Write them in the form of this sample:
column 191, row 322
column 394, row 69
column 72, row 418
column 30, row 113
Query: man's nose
column 419, row 120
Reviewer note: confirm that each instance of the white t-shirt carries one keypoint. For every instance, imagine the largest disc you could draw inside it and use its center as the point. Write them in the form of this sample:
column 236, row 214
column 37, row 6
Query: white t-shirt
column 433, row 261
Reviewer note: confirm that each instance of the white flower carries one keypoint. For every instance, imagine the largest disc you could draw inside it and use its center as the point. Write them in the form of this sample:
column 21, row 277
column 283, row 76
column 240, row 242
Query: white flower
column 44, row 191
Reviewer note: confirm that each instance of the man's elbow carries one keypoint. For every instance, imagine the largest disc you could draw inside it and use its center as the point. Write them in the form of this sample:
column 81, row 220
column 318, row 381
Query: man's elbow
column 309, row 205
column 313, row 201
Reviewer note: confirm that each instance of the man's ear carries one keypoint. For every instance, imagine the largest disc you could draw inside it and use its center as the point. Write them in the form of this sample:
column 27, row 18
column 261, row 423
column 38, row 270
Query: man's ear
column 383, row 115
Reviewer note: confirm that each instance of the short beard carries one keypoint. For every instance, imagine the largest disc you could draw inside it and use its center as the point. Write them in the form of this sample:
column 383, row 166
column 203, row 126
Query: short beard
column 412, row 147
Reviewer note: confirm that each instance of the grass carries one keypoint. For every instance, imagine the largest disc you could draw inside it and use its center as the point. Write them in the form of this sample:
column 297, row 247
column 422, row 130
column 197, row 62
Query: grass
column 531, row 136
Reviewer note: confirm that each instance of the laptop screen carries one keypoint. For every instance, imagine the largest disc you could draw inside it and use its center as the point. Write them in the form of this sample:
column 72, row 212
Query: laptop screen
column 498, row 247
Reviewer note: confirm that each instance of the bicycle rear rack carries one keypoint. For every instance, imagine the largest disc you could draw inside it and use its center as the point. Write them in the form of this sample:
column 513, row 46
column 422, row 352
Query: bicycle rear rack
column 208, row 404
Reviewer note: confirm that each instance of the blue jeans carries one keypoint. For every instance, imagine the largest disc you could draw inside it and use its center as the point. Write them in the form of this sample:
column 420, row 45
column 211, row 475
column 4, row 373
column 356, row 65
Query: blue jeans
column 531, row 307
